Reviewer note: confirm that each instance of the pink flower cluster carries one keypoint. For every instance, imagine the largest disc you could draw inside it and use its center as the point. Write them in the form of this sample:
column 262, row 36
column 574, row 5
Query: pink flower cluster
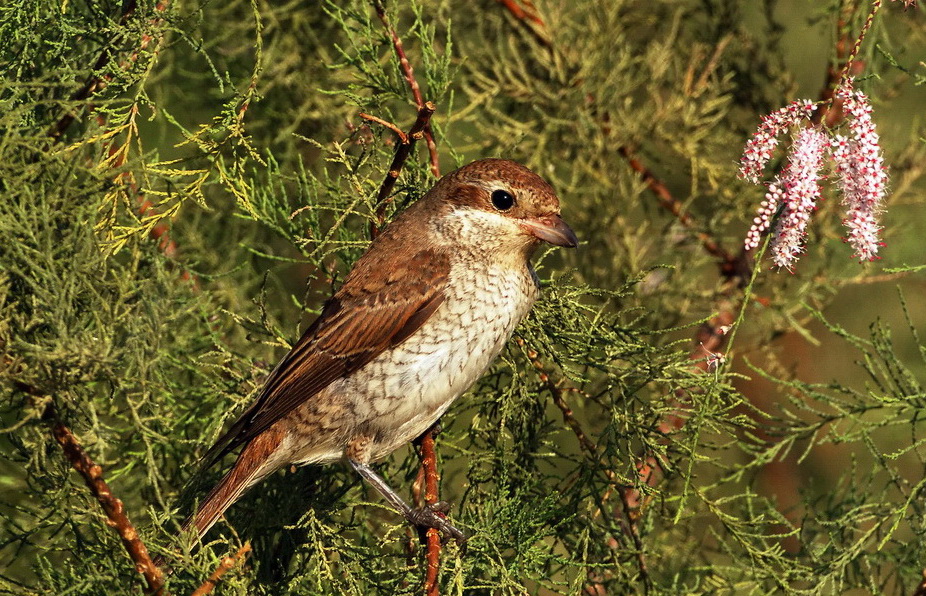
column 793, row 194
column 800, row 182
column 759, row 148
column 862, row 175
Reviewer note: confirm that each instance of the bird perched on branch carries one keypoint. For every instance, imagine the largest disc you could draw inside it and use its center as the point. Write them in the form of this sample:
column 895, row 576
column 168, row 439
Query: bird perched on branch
column 419, row 318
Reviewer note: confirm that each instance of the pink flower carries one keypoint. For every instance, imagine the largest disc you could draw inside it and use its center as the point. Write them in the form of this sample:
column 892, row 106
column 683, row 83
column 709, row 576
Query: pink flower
column 767, row 210
column 801, row 189
column 792, row 196
column 862, row 175
column 759, row 148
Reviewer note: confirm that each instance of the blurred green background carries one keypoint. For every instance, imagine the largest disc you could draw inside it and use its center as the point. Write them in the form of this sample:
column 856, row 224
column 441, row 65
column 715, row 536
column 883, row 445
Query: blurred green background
column 239, row 122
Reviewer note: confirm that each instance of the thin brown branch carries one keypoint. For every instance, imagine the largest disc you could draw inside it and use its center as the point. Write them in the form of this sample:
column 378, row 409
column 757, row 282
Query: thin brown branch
column 830, row 111
column 711, row 337
column 160, row 232
column 96, row 82
column 431, row 496
column 409, row 74
column 568, row 417
column 403, row 150
column 528, row 12
column 403, row 138
column 112, row 506
column 846, row 64
column 729, row 264
column 227, row 564
column 731, row 267
column 527, row 17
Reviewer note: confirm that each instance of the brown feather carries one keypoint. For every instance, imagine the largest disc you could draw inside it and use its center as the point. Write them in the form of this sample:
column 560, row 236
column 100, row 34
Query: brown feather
column 246, row 471
column 362, row 319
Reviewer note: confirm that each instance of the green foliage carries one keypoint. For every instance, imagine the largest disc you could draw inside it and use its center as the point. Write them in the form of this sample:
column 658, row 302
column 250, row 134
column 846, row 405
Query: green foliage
column 160, row 257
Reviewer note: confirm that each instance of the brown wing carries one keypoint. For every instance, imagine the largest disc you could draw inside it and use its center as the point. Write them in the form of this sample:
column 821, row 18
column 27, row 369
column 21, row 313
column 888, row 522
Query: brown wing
column 374, row 310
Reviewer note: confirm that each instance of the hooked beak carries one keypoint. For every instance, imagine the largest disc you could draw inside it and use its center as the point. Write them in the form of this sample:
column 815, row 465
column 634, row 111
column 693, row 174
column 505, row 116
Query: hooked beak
column 552, row 229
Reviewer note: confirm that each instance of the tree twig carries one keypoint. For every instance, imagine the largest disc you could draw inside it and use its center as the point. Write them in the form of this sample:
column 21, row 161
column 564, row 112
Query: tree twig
column 528, row 18
column 830, row 111
column 403, row 138
column 403, row 150
column 409, row 74
column 112, row 506
column 431, row 496
column 227, row 564
column 728, row 263
column 421, row 128
column 96, row 83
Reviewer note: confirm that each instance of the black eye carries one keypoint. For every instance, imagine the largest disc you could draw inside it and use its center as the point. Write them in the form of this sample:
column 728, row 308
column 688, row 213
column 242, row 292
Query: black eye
column 502, row 200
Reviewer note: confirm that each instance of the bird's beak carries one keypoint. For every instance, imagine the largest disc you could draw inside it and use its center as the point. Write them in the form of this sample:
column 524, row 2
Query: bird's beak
column 552, row 229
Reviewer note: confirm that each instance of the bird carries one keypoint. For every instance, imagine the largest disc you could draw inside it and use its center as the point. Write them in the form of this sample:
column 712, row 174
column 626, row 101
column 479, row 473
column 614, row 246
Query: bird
column 418, row 319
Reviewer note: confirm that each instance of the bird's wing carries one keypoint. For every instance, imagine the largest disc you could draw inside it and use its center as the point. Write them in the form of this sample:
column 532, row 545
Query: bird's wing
column 373, row 311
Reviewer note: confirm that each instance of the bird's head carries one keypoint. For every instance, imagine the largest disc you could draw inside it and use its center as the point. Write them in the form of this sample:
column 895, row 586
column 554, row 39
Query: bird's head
column 501, row 205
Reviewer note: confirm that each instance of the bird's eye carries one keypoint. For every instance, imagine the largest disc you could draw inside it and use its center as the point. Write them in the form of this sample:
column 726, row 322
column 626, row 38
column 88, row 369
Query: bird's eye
column 502, row 200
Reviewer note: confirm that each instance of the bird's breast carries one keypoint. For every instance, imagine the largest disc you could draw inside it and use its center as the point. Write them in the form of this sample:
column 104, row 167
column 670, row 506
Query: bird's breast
column 409, row 387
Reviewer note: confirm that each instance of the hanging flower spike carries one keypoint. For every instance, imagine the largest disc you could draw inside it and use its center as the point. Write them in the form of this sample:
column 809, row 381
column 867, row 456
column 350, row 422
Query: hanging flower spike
column 759, row 148
column 801, row 189
column 862, row 175
column 767, row 210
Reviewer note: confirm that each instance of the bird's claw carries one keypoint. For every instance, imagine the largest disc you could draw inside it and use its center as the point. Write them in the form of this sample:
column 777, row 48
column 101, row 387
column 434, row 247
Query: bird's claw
column 433, row 516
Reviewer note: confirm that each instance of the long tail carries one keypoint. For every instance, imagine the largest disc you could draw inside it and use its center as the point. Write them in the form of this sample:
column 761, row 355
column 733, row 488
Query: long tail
column 254, row 463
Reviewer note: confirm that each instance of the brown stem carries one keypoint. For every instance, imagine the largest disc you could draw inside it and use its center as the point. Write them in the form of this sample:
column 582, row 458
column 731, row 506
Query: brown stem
column 96, row 83
column 431, row 496
column 421, row 128
column 227, row 564
column 527, row 16
column 869, row 21
column 403, row 150
column 522, row 13
column 160, row 232
column 403, row 138
column 846, row 65
column 710, row 337
column 731, row 267
column 728, row 263
column 409, row 74
column 112, row 506
column 830, row 111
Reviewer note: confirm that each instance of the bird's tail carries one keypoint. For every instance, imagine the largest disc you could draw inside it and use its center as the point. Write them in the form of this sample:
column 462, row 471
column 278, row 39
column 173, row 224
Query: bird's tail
column 256, row 461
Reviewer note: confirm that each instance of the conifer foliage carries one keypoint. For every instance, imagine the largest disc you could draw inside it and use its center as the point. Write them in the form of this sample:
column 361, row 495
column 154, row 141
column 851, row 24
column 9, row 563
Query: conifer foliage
column 184, row 183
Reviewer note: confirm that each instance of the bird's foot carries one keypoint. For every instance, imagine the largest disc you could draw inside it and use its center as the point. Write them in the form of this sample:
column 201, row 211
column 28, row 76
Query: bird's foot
column 434, row 516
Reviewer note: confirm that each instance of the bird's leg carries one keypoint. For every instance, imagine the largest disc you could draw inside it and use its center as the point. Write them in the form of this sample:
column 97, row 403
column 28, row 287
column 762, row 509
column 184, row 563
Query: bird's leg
column 429, row 516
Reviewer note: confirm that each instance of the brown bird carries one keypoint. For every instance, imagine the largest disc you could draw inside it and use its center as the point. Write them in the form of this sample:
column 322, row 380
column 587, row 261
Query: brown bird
column 420, row 317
